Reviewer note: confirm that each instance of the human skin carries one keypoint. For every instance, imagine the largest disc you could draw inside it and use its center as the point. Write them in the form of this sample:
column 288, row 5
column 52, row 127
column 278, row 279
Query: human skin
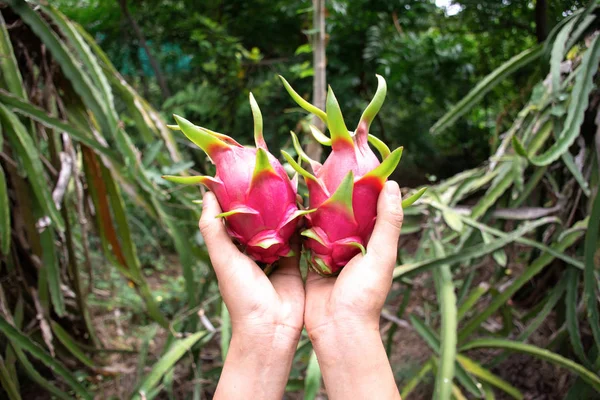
column 341, row 314
column 266, row 314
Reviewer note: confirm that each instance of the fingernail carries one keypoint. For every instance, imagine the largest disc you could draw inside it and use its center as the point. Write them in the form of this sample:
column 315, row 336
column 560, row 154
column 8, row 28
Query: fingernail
column 392, row 190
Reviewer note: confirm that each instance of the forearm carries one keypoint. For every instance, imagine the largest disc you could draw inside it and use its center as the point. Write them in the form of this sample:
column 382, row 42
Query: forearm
column 354, row 364
column 256, row 368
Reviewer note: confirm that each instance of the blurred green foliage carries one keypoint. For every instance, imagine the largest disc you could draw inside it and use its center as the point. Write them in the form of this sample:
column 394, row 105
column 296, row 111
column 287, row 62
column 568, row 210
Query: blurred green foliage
column 213, row 52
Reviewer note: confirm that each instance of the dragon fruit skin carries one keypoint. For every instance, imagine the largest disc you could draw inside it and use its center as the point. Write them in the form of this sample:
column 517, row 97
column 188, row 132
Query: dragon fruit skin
column 343, row 192
column 257, row 197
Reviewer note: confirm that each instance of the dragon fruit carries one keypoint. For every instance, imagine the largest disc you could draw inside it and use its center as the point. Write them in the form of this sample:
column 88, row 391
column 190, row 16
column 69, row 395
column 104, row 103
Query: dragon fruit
column 257, row 197
column 343, row 191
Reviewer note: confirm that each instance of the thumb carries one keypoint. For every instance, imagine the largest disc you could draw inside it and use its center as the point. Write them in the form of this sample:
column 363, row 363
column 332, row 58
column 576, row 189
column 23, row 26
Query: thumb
column 384, row 240
column 218, row 243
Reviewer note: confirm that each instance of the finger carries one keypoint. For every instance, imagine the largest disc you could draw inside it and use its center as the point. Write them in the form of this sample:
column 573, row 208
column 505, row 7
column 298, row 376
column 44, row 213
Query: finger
column 287, row 280
column 316, row 282
column 290, row 266
column 383, row 244
column 222, row 251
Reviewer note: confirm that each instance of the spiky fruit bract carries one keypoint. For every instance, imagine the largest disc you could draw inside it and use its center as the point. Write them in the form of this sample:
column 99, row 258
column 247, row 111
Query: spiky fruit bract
column 257, row 197
column 343, row 191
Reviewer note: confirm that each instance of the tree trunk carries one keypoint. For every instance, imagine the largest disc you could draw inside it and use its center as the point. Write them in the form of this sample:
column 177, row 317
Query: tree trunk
column 541, row 20
column 162, row 83
column 313, row 149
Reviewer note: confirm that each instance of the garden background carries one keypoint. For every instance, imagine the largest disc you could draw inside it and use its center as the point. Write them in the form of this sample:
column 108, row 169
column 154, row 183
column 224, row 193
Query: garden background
column 106, row 289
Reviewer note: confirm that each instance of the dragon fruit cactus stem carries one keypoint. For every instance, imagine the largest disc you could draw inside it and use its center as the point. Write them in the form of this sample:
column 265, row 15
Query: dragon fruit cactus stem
column 257, row 197
column 343, row 191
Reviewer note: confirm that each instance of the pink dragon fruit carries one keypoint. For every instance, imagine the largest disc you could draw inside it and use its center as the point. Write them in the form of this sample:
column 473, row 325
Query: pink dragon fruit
column 257, row 197
column 343, row 191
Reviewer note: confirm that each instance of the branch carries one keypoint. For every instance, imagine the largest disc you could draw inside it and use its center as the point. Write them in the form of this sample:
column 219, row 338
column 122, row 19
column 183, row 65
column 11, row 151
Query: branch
column 64, row 176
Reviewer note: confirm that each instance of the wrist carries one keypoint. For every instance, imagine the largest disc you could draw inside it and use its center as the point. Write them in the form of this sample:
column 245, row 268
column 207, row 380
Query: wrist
column 340, row 338
column 266, row 337
column 353, row 361
column 257, row 364
column 341, row 332
column 279, row 340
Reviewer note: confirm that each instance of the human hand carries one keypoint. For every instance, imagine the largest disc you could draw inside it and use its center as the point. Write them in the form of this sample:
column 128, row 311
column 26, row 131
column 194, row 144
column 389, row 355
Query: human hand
column 342, row 314
column 266, row 313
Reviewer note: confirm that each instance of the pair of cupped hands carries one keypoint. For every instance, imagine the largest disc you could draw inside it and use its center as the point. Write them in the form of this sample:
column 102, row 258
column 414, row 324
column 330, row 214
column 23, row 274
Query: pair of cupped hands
column 341, row 314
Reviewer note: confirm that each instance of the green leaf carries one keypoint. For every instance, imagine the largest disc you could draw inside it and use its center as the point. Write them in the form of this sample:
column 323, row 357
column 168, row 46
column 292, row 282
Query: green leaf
column 418, row 377
column 10, row 76
column 399, row 314
column 553, row 299
column 485, row 228
column 584, row 19
column 85, row 55
column 536, row 267
column 128, row 247
column 499, row 255
column 425, row 332
column 453, row 220
column 5, row 229
column 590, row 282
column 498, row 187
column 36, row 351
column 558, row 53
column 572, row 278
column 572, row 167
column 35, row 376
column 470, row 301
column 434, row 343
column 543, row 354
column 69, row 65
column 166, row 362
column 7, row 383
column 143, row 354
column 23, row 107
column 484, row 86
column 584, row 83
column 183, row 245
column 518, row 146
column 312, row 382
column 447, row 301
column 70, row 345
column 475, row 251
column 52, row 267
column 225, row 330
column 24, row 146
column 487, row 376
